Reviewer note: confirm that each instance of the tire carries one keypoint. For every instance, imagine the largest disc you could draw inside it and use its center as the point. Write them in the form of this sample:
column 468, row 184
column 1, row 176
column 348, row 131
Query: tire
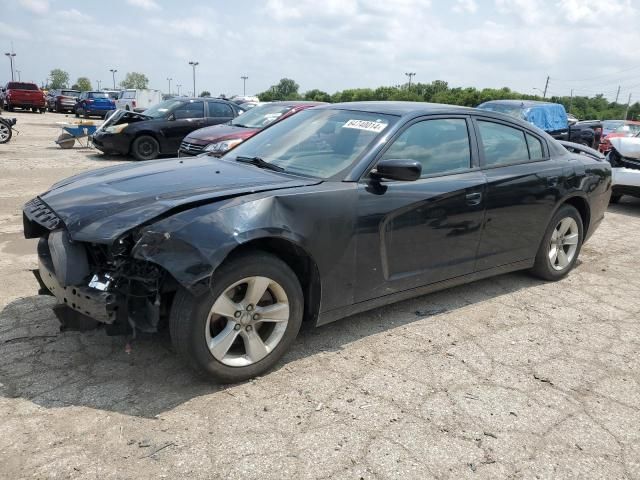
column 615, row 198
column 9, row 108
column 77, row 113
column 193, row 325
column 550, row 267
column 66, row 140
column 5, row 132
column 42, row 110
column 145, row 147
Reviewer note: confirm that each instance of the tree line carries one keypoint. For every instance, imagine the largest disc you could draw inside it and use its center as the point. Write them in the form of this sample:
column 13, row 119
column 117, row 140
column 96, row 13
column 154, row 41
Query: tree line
column 439, row 91
column 58, row 78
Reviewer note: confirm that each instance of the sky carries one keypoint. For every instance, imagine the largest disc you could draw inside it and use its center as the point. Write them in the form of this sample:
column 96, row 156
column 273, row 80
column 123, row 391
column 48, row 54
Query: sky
column 590, row 46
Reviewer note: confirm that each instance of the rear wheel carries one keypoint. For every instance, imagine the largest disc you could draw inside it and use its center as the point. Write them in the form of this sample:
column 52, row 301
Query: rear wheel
column 560, row 246
column 145, row 147
column 5, row 133
column 244, row 324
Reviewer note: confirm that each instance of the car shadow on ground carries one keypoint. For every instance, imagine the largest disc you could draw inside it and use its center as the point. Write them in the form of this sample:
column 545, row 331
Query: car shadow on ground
column 57, row 369
column 627, row 206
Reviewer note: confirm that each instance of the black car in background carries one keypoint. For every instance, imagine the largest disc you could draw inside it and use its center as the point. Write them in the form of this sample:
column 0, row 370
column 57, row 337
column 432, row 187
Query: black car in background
column 160, row 129
column 332, row 211
column 62, row 100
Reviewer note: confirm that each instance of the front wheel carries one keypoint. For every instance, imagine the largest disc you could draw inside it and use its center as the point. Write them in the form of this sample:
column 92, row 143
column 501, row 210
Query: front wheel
column 246, row 321
column 145, row 147
column 560, row 246
column 615, row 198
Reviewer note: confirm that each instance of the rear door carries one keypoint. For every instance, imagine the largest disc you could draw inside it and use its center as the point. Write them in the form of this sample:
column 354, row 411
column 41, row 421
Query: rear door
column 522, row 190
column 219, row 112
column 184, row 120
column 413, row 233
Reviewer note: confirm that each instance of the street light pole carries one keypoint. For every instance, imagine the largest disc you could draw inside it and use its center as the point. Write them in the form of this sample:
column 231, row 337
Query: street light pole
column 18, row 72
column 410, row 75
column 169, row 80
column 244, row 85
column 194, row 65
column 98, row 82
column 113, row 74
column 178, row 86
column 11, row 55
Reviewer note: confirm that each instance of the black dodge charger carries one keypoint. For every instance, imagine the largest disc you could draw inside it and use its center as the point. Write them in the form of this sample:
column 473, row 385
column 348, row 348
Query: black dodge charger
column 336, row 210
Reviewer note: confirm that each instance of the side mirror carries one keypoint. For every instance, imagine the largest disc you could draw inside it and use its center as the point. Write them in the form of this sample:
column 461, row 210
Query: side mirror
column 171, row 117
column 398, row 169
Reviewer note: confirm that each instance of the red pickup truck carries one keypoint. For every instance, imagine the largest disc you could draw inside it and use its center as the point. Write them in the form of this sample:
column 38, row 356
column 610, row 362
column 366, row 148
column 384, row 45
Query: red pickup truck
column 23, row 95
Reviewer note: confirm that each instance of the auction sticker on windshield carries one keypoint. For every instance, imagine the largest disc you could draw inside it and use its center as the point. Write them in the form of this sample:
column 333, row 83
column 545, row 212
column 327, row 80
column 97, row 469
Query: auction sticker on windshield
column 365, row 125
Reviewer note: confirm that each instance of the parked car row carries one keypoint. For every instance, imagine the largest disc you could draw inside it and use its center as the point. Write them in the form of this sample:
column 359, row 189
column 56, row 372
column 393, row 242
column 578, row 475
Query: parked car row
column 326, row 212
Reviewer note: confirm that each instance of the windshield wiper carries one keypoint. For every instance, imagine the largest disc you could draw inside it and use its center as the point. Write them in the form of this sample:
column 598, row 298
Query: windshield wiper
column 259, row 162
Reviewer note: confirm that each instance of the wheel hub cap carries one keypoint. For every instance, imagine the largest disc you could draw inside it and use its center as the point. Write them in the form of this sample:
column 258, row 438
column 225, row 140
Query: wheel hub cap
column 564, row 243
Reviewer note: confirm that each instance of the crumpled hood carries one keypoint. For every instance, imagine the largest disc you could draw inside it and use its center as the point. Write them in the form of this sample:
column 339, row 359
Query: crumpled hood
column 627, row 146
column 218, row 133
column 100, row 205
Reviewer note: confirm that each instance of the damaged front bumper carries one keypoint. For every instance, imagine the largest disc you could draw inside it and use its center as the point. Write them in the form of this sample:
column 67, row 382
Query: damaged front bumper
column 99, row 305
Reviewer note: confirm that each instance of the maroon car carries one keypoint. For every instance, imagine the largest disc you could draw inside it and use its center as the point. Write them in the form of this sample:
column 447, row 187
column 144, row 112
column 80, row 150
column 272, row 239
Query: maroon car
column 219, row 139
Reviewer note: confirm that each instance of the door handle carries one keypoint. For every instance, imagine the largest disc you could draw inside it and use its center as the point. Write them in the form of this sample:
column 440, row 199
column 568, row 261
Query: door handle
column 474, row 198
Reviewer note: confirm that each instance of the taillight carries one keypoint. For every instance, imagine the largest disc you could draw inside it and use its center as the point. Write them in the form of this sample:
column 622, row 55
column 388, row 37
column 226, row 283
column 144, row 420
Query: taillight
column 89, row 100
column 133, row 103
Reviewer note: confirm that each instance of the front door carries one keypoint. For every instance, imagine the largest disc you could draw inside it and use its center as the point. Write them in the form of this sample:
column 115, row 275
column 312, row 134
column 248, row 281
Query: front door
column 218, row 113
column 184, row 120
column 413, row 233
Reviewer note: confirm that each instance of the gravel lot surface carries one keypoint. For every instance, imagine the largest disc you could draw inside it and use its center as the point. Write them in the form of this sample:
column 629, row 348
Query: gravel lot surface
column 504, row 378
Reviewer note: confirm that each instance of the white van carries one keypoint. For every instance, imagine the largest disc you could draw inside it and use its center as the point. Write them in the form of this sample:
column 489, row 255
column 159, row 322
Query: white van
column 137, row 100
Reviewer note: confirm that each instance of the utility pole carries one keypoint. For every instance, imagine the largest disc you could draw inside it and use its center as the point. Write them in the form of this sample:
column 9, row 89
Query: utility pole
column 194, row 65
column 178, row 86
column 11, row 56
column 571, row 101
column 113, row 73
column 98, row 82
column 626, row 112
column 18, row 72
column 410, row 75
column 617, row 94
column 244, row 85
column 169, row 80
column 546, row 85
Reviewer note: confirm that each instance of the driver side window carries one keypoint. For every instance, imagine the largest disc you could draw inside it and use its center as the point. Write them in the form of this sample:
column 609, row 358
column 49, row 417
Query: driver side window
column 440, row 145
column 190, row 110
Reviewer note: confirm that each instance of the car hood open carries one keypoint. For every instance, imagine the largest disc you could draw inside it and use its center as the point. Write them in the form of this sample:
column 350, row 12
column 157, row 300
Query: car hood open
column 627, row 146
column 218, row 133
column 101, row 205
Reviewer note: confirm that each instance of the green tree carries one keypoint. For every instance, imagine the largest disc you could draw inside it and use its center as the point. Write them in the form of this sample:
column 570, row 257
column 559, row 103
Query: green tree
column 59, row 78
column 83, row 84
column 205, row 93
column 316, row 95
column 286, row 89
column 135, row 80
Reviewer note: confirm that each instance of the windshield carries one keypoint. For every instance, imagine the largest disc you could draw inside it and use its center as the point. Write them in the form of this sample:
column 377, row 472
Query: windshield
column 260, row 117
column 22, row 86
column 628, row 130
column 315, row 143
column 98, row 95
column 160, row 110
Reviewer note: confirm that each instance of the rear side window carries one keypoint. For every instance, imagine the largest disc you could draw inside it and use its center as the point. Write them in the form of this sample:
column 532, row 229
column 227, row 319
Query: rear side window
column 22, row 86
column 535, row 148
column 441, row 146
column 501, row 144
column 129, row 94
column 217, row 109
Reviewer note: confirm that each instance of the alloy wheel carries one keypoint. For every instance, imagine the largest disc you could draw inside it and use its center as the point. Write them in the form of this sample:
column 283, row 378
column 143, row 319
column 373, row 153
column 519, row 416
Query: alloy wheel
column 5, row 131
column 564, row 243
column 247, row 321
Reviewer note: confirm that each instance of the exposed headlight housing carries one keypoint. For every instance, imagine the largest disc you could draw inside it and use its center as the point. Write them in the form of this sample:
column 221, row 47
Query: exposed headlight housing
column 221, row 147
column 116, row 128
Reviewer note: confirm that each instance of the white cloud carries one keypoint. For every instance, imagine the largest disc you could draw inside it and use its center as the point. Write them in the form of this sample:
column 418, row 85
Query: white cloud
column 11, row 32
column 465, row 6
column 73, row 15
column 39, row 7
column 592, row 11
column 144, row 4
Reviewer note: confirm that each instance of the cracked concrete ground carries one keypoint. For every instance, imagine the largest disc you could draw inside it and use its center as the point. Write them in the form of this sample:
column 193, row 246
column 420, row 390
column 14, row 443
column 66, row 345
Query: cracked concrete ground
column 504, row 378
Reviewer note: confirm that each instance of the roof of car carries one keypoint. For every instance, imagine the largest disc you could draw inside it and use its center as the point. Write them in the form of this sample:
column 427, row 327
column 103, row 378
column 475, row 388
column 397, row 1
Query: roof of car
column 398, row 108
column 294, row 103
column 521, row 103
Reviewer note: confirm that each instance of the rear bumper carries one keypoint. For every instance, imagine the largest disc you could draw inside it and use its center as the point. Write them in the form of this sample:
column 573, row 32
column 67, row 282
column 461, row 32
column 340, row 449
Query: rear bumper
column 100, row 306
